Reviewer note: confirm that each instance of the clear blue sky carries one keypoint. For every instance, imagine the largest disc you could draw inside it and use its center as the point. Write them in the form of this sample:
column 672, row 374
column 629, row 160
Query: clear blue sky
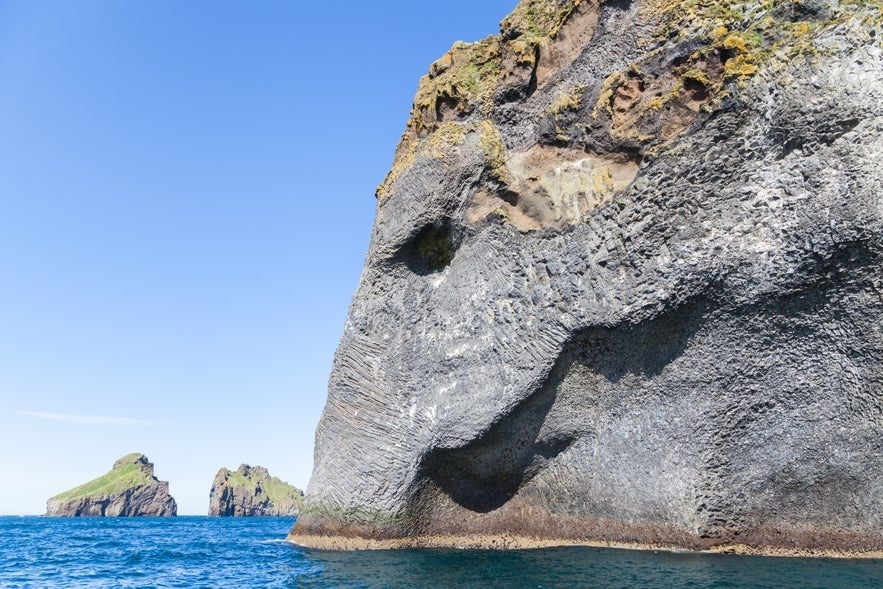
column 186, row 197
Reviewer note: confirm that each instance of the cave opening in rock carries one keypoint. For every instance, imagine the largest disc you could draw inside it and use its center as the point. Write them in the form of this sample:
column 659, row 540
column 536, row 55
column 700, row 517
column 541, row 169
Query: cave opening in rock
column 431, row 249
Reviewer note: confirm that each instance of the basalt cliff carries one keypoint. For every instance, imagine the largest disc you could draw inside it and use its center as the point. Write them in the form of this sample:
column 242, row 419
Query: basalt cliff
column 129, row 489
column 251, row 491
column 624, row 287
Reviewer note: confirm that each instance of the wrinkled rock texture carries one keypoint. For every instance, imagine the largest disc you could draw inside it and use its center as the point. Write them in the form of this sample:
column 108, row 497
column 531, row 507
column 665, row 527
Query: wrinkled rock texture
column 624, row 286
column 251, row 491
column 129, row 489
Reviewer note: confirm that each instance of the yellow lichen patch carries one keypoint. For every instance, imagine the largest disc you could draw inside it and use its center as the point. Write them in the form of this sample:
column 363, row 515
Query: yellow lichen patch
column 404, row 159
column 501, row 214
column 568, row 101
column 733, row 39
column 683, row 18
column 537, row 18
column 464, row 80
column 739, row 67
column 438, row 144
column 736, row 43
column 443, row 139
column 466, row 77
column 724, row 26
column 719, row 32
column 460, row 81
column 697, row 75
column 754, row 33
column 646, row 109
column 524, row 51
column 495, row 154
column 602, row 183
column 656, row 103
column 800, row 28
column 605, row 99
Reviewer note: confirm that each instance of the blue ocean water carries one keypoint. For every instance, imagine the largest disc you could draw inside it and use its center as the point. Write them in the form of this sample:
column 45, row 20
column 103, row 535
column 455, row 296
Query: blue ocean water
column 251, row 552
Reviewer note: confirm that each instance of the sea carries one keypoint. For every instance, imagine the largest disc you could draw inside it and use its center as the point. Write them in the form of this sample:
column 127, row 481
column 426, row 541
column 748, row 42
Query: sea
column 252, row 552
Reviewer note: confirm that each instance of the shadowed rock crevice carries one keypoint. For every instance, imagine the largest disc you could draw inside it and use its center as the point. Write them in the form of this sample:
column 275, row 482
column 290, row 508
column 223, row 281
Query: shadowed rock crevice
column 431, row 249
column 823, row 133
column 617, row 4
column 486, row 473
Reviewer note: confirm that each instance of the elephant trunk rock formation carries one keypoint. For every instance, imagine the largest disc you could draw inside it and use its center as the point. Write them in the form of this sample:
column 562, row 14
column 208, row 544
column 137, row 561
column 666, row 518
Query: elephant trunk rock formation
column 624, row 287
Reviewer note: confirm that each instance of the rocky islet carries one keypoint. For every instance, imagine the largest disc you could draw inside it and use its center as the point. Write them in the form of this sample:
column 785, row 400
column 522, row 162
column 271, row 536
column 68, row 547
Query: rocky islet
column 252, row 491
column 129, row 489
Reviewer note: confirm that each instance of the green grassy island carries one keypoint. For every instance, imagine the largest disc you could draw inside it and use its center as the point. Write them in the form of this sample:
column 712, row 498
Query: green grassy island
column 252, row 491
column 129, row 489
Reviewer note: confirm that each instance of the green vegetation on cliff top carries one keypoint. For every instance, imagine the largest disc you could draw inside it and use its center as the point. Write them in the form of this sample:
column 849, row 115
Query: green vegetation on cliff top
column 537, row 18
column 749, row 32
column 132, row 470
column 278, row 491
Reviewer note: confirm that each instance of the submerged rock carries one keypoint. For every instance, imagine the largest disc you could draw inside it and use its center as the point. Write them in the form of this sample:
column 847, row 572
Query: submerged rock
column 624, row 286
column 129, row 489
column 250, row 490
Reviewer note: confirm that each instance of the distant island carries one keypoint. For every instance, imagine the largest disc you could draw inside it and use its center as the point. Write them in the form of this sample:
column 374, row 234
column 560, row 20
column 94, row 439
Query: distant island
column 129, row 489
column 251, row 491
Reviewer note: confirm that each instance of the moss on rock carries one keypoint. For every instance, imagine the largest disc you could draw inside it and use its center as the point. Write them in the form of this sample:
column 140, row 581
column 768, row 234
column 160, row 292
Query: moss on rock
column 251, row 490
column 132, row 470
column 465, row 80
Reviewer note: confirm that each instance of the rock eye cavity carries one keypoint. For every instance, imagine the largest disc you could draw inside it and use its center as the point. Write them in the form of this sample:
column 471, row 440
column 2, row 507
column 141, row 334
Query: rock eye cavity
column 431, row 250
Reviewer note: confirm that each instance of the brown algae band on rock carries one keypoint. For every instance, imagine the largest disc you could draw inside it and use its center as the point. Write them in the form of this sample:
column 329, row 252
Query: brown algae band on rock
column 623, row 288
column 251, row 491
column 129, row 489
column 509, row 542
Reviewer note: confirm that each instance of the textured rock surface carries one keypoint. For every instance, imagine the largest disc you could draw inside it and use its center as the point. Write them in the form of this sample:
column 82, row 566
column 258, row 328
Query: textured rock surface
column 250, row 490
column 129, row 489
column 624, row 286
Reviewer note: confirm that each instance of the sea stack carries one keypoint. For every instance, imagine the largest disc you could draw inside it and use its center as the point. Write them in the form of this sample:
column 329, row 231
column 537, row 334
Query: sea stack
column 251, row 491
column 623, row 287
column 129, row 489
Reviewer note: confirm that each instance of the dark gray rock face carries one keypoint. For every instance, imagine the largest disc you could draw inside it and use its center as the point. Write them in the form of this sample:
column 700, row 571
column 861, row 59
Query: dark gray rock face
column 624, row 286
column 251, row 491
column 129, row 489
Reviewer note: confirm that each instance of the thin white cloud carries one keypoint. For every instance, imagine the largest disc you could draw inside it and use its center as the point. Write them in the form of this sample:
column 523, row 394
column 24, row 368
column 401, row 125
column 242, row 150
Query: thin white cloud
column 87, row 419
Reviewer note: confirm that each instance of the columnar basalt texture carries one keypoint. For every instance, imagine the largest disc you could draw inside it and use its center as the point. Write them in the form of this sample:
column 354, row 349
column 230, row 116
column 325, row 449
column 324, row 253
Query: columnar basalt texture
column 624, row 286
